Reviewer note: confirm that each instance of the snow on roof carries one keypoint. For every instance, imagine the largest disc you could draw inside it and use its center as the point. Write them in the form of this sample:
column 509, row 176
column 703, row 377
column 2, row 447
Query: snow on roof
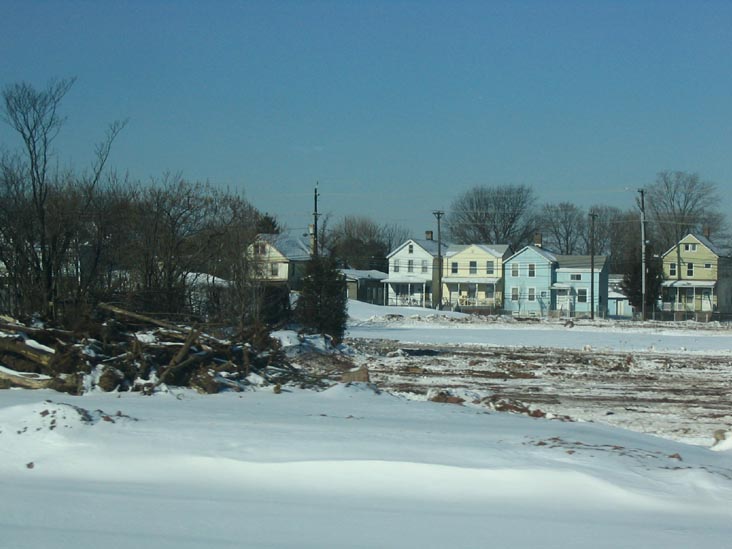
column 430, row 246
column 546, row 255
column 293, row 246
column 359, row 274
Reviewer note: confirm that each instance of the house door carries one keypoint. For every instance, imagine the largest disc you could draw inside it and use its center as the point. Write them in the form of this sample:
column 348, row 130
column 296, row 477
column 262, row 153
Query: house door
column 563, row 304
column 706, row 299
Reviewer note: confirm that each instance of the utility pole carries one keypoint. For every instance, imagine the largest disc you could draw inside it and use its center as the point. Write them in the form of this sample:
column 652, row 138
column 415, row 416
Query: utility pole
column 437, row 292
column 315, row 221
column 593, row 215
column 643, row 251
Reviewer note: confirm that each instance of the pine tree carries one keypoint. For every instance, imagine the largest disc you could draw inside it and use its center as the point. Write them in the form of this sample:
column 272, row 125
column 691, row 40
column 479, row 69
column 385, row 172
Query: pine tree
column 321, row 307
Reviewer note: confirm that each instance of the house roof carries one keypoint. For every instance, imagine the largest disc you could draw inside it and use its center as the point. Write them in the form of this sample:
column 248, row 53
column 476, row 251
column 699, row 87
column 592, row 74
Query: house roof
column 703, row 240
column 497, row 250
column 358, row 274
column 469, row 279
column 429, row 246
column 689, row 283
column 546, row 255
column 293, row 246
column 580, row 262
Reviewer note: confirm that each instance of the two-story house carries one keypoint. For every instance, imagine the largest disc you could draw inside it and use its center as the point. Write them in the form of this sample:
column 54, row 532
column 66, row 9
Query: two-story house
column 411, row 272
column 539, row 283
column 528, row 278
column 472, row 276
column 697, row 278
column 280, row 258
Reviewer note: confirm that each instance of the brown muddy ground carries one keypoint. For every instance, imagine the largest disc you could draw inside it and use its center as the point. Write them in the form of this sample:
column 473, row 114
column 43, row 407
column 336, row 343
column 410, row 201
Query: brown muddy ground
column 684, row 396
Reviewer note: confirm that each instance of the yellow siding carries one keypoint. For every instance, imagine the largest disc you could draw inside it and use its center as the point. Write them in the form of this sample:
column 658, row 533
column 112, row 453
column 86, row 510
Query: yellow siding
column 699, row 258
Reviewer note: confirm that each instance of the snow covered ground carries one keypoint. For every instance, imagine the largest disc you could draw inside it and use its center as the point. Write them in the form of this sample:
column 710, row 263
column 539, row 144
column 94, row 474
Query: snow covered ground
column 348, row 467
column 415, row 325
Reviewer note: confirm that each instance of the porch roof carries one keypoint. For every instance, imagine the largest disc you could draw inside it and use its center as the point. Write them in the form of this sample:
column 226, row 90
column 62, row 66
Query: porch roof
column 689, row 283
column 405, row 280
column 560, row 286
column 464, row 279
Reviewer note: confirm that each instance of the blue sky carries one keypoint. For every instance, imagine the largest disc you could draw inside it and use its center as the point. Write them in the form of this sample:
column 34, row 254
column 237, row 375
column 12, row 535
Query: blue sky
column 393, row 107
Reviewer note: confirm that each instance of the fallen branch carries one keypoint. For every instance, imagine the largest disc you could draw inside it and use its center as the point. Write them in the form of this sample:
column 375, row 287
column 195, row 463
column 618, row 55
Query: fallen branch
column 137, row 316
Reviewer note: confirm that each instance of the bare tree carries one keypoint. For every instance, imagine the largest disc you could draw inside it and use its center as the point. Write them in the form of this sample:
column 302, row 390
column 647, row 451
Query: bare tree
column 361, row 243
column 679, row 203
column 52, row 203
column 499, row 215
column 563, row 227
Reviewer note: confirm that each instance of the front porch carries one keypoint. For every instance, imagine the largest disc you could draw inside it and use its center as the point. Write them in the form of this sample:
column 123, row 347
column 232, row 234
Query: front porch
column 688, row 296
column 412, row 293
column 467, row 294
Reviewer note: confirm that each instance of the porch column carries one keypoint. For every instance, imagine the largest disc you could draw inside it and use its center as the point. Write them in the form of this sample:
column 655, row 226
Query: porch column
column 424, row 294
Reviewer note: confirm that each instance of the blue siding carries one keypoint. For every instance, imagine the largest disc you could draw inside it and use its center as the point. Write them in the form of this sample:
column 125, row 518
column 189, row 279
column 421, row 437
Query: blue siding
column 533, row 292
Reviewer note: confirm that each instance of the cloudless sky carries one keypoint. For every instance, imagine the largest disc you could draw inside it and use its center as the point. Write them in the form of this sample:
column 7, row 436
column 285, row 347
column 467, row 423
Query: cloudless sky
column 394, row 107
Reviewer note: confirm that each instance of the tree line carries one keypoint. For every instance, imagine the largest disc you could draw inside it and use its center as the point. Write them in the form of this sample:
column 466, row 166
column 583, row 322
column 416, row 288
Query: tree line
column 71, row 238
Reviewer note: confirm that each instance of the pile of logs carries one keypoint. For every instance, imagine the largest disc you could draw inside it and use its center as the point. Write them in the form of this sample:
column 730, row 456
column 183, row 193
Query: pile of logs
column 123, row 350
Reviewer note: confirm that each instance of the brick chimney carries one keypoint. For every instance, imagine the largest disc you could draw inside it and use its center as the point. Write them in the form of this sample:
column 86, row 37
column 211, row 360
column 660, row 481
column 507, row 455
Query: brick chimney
column 537, row 239
column 429, row 235
column 707, row 232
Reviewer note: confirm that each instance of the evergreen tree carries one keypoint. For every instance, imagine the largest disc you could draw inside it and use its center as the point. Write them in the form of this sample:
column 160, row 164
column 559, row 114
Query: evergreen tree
column 632, row 284
column 321, row 307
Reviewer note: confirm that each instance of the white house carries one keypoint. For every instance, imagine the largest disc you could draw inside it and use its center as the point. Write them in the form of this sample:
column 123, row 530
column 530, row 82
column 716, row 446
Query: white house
column 411, row 271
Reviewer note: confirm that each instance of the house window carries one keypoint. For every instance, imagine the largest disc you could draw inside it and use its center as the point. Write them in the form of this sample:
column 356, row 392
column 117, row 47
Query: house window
column 707, row 265
column 490, row 267
column 410, row 266
column 424, row 266
column 532, row 294
column 260, row 248
column 575, row 276
column 514, row 269
column 582, row 295
column 689, row 247
column 411, row 248
column 689, row 269
column 672, row 269
column 490, row 291
column 454, row 267
column 532, row 270
column 514, row 294
column 274, row 269
column 473, row 267
column 396, row 265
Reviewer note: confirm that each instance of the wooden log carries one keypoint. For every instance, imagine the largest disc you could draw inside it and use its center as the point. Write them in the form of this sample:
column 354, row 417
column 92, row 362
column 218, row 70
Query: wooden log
column 137, row 316
column 25, row 380
column 37, row 356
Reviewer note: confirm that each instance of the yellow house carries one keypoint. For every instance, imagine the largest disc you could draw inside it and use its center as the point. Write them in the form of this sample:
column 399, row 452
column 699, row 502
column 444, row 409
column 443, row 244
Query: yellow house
column 697, row 278
column 280, row 258
column 472, row 276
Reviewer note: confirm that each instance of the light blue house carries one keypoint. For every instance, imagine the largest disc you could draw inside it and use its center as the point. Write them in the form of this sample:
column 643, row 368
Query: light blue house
column 528, row 277
column 539, row 283
column 572, row 288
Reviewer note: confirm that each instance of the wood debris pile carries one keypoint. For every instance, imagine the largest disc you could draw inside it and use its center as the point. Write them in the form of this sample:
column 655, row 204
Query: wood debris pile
column 122, row 350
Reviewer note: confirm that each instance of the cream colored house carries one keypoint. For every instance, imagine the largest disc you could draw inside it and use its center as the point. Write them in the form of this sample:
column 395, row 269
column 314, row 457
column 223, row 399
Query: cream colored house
column 697, row 278
column 280, row 258
column 472, row 276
